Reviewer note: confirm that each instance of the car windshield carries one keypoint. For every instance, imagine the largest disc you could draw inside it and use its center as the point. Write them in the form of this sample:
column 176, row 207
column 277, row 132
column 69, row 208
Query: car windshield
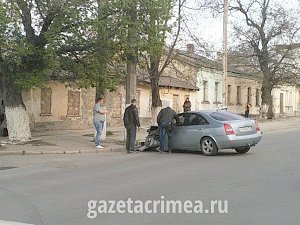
column 225, row 116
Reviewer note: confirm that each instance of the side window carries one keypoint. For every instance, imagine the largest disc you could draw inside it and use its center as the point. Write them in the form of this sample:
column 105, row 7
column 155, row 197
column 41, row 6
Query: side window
column 202, row 120
column 196, row 120
column 191, row 120
column 183, row 120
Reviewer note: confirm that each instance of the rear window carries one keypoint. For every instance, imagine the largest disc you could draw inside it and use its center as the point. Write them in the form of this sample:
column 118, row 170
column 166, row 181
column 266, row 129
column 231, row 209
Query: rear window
column 225, row 116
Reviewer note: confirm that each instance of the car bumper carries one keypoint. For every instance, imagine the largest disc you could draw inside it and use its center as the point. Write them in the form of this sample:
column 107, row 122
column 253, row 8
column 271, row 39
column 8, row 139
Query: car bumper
column 233, row 141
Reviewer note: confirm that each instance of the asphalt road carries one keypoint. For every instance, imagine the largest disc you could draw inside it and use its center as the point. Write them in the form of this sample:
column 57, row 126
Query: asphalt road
column 261, row 187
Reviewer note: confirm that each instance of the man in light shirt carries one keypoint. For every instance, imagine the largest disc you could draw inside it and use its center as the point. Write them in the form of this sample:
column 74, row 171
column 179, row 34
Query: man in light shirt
column 99, row 112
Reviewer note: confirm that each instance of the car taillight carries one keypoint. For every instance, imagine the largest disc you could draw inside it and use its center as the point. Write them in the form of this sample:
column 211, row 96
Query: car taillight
column 257, row 127
column 228, row 129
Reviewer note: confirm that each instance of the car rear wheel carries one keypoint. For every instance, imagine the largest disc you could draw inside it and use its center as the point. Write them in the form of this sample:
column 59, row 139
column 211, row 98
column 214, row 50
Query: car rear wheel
column 208, row 146
column 242, row 150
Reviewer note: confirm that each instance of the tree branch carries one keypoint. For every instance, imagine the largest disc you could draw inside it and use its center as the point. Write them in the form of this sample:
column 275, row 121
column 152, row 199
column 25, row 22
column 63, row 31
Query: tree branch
column 167, row 61
column 27, row 21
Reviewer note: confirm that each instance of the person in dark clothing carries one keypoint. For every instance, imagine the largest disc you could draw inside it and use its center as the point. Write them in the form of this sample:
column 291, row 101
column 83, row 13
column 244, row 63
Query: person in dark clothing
column 165, row 121
column 247, row 110
column 131, row 122
column 187, row 105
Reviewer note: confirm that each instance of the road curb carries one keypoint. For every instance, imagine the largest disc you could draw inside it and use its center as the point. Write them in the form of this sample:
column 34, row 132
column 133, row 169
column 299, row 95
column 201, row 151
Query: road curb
column 59, row 152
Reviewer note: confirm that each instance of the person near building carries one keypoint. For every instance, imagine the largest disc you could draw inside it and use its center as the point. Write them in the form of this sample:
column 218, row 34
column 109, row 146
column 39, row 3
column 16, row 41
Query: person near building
column 99, row 112
column 165, row 119
column 247, row 110
column 131, row 123
column 187, row 105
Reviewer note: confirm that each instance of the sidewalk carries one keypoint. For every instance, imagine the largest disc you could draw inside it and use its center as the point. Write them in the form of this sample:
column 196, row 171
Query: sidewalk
column 69, row 142
column 81, row 141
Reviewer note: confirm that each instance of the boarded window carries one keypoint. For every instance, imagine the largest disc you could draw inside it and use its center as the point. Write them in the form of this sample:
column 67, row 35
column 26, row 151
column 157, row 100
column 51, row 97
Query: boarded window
column 46, row 94
column 257, row 97
column 73, row 103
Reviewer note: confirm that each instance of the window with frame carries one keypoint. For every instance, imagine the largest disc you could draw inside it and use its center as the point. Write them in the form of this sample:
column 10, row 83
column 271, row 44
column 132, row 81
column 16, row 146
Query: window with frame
column 205, row 91
column 238, row 94
column 217, row 85
column 73, row 103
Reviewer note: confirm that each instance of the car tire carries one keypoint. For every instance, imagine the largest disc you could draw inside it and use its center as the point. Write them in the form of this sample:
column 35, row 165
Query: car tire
column 208, row 146
column 242, row 150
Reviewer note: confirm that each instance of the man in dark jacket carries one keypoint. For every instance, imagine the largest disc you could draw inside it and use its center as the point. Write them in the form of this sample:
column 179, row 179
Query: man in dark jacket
column 131, row 121
column 165, row 119
column 187, row 105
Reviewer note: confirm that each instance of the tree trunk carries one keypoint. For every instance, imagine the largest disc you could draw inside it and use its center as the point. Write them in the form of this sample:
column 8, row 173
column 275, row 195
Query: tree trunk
column 16, row 115
column 156, row 101
column 132, row 55
column 267, row 102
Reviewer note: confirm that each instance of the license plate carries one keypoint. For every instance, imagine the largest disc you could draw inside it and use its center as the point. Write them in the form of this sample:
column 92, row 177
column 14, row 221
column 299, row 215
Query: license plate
column 245, row 129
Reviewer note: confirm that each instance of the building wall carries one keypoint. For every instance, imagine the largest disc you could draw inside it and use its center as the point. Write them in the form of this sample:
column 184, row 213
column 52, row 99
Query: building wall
column 115, row 102
column 214, row 95
column 285, row 100
column 182, row 70
column 255, row 94
column 297, row 100
column 206, row 97
column 175, row 97
column 58, row 118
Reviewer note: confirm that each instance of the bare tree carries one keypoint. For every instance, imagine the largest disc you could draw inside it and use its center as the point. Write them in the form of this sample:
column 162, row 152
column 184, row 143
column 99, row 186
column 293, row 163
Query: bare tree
column 260, row 27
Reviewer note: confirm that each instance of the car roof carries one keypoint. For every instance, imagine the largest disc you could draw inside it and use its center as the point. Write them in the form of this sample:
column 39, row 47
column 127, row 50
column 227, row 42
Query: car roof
column 201, row 111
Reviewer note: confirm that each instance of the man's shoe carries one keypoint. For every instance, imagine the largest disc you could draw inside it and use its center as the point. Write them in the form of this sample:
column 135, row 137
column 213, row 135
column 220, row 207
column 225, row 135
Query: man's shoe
column 99, row 146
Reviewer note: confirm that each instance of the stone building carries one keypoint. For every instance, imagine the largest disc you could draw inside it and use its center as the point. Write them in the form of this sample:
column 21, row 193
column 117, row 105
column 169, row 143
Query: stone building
column 58, row 106
column 173, row 92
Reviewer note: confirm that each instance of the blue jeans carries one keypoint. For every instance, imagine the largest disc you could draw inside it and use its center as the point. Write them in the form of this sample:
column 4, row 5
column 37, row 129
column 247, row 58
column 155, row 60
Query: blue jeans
column 99, row 128
column 164, row 137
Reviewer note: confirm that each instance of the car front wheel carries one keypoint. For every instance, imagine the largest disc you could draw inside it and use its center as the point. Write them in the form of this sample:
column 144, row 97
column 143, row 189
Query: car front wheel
column 242, row 150
column 208, row 146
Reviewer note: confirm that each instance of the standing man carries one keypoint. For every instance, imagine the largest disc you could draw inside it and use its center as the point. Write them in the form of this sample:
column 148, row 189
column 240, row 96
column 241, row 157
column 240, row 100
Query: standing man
column 165, row 119
column 187, row 105
column 247, row 110
column 131, row 122
column 99, row 112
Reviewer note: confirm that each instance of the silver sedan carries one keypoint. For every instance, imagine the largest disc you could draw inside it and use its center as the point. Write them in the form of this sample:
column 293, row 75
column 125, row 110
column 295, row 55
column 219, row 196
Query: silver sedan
column 210, row 131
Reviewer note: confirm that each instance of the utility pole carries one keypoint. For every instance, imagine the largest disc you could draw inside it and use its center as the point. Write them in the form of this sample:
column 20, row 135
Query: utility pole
column 225, row 63
column 132, row 54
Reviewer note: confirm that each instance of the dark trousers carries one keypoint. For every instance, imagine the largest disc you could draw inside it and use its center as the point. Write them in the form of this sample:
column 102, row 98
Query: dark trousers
column 130, row 137
column 247, row 113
